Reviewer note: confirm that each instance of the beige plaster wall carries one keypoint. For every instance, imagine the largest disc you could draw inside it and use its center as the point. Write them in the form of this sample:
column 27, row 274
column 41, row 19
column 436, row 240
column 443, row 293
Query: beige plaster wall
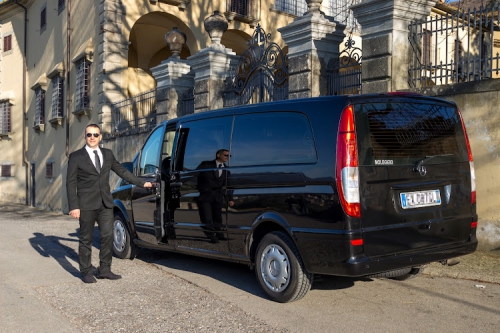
column 479, row 104
column 13, row 188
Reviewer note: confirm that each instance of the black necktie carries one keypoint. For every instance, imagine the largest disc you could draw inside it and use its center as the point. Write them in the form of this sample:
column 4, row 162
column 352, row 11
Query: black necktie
column 220, row 169
column 97, row 162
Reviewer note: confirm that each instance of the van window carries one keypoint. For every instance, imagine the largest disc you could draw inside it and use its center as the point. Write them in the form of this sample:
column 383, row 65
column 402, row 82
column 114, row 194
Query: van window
column 204, row 138
column 272, row 138
column 399, row 133
column 151, row 153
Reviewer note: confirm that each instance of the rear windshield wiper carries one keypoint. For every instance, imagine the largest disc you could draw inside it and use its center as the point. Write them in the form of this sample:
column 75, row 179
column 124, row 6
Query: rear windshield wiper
column 418, row 166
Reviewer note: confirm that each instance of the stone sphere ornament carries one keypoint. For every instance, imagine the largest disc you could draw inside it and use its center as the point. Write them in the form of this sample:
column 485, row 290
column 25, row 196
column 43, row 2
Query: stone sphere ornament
column 175, row 39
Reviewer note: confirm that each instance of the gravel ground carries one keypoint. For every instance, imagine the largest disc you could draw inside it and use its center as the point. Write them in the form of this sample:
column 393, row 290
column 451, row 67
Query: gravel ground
column 149, row 299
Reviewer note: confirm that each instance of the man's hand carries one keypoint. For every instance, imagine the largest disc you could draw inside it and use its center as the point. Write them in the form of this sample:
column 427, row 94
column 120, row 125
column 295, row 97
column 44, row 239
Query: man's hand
column 148, row 184
column 75, row 213
column 231, row 203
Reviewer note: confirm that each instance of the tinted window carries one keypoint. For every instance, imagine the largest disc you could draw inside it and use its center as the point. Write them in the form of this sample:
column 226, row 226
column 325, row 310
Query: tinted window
column 403, row 133
column 272, row 138
column 203, row 139
column 150, row 155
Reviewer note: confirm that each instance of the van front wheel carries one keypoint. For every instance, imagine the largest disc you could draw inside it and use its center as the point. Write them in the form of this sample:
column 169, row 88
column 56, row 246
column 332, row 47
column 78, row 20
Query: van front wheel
column 123, row 247
column 280, row 270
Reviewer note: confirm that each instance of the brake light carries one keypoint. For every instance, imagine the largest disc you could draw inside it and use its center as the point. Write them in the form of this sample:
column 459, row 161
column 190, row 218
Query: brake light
column 471, row 163
column 473, row 225
column 347, row 175
column 357, row 242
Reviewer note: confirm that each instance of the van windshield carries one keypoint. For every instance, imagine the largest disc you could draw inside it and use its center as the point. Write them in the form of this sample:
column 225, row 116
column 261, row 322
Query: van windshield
column 401, row 133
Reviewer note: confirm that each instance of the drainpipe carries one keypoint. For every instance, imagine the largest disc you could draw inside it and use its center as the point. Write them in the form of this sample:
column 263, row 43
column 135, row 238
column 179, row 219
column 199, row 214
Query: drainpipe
column 68, row 64
column 25, row 112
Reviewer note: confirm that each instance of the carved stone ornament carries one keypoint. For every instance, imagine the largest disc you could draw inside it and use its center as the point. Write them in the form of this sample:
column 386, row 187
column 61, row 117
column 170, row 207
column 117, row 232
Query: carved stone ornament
column 175, row 39
column 216, row 24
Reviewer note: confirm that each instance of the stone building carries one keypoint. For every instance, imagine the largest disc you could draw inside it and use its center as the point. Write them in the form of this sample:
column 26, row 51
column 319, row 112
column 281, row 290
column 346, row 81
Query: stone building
column 64, row 64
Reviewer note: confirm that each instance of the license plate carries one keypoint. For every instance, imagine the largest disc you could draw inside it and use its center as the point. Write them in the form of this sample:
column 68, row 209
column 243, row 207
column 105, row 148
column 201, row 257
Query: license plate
column 420, row 199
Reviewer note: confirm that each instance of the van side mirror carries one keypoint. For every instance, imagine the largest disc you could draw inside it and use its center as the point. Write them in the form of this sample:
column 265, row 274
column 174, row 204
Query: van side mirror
column 129, row 166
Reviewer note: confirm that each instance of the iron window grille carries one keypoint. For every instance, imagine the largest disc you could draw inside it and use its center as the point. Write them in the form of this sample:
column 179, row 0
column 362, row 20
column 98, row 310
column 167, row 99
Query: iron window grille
column 57, row 96
column 5, row 126
column 39, row 107
column 82, row 90
column 5, row 117
column 49, row 170
column 7, row 43
column 294, row 7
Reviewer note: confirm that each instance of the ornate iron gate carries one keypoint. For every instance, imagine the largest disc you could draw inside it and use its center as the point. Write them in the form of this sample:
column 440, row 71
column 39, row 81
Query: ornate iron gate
column 261, row 75
column 344, row 73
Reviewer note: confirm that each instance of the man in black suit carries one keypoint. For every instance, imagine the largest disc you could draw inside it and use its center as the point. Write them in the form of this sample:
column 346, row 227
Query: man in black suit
column 211, row 185
column 90, row 200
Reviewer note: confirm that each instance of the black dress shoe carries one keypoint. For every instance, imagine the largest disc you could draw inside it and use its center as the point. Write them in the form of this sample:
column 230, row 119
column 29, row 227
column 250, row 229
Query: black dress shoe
column 89, row 278
column 109, row 276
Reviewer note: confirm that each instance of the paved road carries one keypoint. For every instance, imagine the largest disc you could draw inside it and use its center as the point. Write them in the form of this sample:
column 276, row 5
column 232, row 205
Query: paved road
column 40, row 291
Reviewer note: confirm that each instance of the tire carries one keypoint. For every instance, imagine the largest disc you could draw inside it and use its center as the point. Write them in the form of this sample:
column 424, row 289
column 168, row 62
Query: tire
column 123, row 247
column 414, row 272
column 280, row 270
column 400, row 274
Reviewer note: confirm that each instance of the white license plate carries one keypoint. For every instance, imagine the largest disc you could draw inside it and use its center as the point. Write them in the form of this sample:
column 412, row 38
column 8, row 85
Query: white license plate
column 420, row 199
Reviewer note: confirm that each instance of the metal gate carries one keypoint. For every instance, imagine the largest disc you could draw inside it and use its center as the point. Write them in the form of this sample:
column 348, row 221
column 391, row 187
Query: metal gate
column 344, row 73
column 261, row 75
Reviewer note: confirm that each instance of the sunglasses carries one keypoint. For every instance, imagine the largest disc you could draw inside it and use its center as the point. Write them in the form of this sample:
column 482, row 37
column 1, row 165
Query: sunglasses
column 226, row 155
column 96, row 135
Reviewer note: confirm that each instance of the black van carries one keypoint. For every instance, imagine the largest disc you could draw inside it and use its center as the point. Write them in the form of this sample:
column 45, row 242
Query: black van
column 365, row 185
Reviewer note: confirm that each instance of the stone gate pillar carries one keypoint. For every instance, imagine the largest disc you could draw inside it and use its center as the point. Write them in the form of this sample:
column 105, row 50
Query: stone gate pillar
column 211, row 66
column 386, row 49
column 173, row 78
column 313, row 40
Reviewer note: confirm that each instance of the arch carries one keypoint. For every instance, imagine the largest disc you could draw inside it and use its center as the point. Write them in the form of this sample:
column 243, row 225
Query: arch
column 235, row 40
column 147, row 46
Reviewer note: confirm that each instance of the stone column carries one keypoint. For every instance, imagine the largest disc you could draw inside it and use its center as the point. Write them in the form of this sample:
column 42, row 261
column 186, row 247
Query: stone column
column 173, row 78
column 111, row 52
column 385, row 41
column 211, row 66
column 313, row 40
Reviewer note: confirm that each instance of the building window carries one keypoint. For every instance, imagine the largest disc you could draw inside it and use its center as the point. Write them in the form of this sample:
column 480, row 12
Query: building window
column 82, row 93
column 5, row 118
column 61, row 4
column 7, row 43
column 39, row 107
column 6, row 170
column 241, row 7
column 294, row 7
column 49, row 170
column 43, row 18
column 57, row 97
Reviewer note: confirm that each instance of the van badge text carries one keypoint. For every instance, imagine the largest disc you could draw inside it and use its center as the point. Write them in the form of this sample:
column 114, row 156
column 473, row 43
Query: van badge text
column 384, row 162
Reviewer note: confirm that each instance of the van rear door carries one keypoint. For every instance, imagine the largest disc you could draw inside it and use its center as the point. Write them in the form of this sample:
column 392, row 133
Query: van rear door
column 415, row 174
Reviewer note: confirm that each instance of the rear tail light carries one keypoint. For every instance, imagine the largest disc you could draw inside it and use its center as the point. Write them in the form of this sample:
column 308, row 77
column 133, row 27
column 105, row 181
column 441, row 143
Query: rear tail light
column 347, row 164
column 473, row 225
column 471, row 162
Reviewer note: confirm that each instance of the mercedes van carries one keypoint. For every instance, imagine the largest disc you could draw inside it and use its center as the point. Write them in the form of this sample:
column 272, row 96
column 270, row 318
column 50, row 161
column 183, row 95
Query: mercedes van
column 364, row 185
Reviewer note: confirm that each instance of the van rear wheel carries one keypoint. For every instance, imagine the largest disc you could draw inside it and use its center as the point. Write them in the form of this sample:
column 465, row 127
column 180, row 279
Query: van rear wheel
column 280, row 270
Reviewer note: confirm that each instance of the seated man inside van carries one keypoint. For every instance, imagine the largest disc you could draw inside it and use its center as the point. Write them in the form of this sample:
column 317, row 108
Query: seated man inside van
column 211, row 185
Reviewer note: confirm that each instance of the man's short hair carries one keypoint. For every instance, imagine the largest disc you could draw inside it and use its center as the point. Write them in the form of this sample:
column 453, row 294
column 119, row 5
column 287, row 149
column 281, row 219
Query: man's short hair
column 93, row 125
